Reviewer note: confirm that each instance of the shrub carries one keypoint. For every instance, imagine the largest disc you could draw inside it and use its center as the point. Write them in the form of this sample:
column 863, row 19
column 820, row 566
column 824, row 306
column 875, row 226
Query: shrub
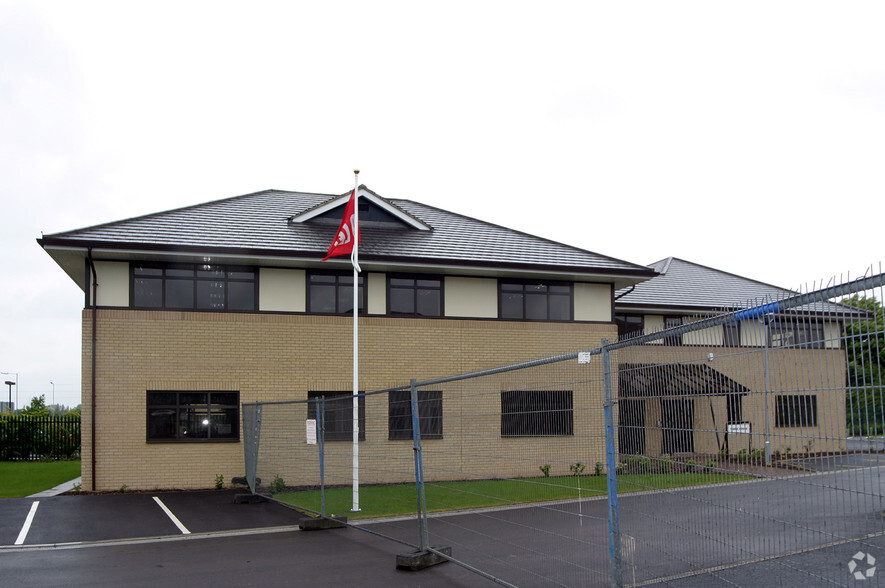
column 577, row 468
column 545, row 469
column 277, row 486
column 598, row 469
column 219, row 482
column 690, row 465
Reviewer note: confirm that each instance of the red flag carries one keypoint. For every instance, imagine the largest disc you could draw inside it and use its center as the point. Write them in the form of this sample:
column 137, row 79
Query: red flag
column 343, row 243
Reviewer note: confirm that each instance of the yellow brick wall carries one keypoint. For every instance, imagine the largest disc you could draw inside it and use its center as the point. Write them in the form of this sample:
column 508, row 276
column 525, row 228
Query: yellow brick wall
column 269, row 357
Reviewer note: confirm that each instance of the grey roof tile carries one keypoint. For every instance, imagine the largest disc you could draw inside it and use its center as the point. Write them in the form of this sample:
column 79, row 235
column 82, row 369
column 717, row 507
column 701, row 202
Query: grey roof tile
column 258, row 223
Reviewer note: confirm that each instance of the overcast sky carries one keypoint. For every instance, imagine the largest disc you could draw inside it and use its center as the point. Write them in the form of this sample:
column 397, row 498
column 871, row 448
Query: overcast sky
column 746, row 136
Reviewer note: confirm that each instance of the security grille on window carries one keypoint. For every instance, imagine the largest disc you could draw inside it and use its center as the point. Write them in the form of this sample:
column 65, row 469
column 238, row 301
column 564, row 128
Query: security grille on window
column 414, row 296
column 338, row 416
column 399, row 411
column 188, row 416
column 535, row 301
column 799, row 410
column 193, row 286
column 332, row 293
column 536, row 413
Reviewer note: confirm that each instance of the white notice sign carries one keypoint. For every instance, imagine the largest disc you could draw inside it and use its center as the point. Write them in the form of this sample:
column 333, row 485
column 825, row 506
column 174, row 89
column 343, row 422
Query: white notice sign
column 584, row 357
column 739, row 428
column 311, row 431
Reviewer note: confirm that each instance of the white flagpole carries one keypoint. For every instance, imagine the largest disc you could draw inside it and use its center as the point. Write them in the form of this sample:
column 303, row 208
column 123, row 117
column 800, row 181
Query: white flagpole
column 354, row 259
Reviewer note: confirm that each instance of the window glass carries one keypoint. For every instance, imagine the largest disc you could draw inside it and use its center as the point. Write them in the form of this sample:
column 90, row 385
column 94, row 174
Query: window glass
column 799, row 410
column 402, row 301
column 179, row 294
column 147, row 292
column 241, row 296
column 210, row 295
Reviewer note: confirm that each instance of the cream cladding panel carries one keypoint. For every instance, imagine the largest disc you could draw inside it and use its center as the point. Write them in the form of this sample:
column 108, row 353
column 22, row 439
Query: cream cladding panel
column 282, row 290
column 593, row 302
column 113, row 283
column 471, row 297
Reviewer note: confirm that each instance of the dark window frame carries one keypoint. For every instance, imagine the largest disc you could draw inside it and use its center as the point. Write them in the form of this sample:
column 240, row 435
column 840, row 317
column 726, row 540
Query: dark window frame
column 670, row 321
column 731, row 334
column 178, row 432
column 338, row 422
column 338, row 285
column 627, row 324
column 795, row 410
column 416, row 289
column 789, row 334
column 526, row 290
column 537, row 413
column 195, row 277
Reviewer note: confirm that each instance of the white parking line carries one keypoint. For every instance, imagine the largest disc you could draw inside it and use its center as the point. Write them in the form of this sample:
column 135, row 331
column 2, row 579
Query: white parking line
column 22, row 535
column 175, row 520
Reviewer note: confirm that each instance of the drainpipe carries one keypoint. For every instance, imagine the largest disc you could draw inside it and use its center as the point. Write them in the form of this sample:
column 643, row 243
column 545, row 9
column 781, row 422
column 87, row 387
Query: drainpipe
column 94, row 302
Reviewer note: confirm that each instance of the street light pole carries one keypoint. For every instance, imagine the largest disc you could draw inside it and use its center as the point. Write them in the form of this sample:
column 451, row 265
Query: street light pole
column 16, row 388
column 10, row 383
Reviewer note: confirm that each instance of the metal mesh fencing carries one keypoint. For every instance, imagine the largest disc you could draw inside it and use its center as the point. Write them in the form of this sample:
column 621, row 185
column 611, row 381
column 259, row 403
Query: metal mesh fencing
column 738, row 447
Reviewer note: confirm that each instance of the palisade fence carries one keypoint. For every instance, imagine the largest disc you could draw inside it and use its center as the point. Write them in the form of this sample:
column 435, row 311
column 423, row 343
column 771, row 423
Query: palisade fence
column 733, row 449
column 30, row 438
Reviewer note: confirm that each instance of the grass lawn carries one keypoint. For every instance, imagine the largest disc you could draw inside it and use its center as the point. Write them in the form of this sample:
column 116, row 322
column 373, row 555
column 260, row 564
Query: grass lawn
column 23, row 478
column 399, row 499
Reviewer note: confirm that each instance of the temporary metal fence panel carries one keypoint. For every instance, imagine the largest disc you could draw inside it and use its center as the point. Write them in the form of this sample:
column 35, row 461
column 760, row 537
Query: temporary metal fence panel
column 725, row 450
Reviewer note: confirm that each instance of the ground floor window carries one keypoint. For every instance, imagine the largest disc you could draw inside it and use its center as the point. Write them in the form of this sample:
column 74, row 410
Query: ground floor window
column 190, row 416
column 536, row 413
column 338, row 415
column 798, row 410
column 399, row 411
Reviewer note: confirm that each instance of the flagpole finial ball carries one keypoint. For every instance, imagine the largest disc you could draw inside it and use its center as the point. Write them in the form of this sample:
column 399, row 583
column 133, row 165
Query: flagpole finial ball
column 356, row 171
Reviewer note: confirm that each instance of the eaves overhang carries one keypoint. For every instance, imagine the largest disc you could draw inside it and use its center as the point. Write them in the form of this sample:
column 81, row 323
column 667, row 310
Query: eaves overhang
column 71, row 253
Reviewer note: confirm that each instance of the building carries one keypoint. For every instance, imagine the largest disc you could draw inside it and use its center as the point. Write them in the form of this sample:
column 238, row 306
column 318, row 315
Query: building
column 192, row 312
column 670, row 403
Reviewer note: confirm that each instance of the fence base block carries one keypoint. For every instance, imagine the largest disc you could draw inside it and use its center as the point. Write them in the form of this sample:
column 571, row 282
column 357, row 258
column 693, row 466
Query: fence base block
column 321, row 524
column 418, row 560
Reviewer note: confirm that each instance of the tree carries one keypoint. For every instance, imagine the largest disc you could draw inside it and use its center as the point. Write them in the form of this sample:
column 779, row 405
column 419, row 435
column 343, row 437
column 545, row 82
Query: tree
column 37, row 407
column 865, row 347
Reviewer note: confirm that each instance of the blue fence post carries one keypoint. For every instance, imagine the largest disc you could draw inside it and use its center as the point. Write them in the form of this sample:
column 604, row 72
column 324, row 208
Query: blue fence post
column 419, row 468
column 614, row 525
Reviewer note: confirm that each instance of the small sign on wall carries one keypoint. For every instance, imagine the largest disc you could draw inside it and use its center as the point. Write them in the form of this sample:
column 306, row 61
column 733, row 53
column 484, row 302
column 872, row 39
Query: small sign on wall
column 739, row 428
column 311, row 431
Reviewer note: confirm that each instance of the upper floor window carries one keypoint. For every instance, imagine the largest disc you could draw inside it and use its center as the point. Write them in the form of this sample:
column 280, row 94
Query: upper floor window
column 787, row 334
column 414, row 295
column 669, row 323
column 193, row 286
column 630, row 325
column 731, row 334
column 535, row 301
column 332, row 293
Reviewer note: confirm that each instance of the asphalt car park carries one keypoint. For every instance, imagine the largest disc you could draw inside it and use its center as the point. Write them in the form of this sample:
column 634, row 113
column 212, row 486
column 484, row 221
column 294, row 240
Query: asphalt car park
column 84, row 518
